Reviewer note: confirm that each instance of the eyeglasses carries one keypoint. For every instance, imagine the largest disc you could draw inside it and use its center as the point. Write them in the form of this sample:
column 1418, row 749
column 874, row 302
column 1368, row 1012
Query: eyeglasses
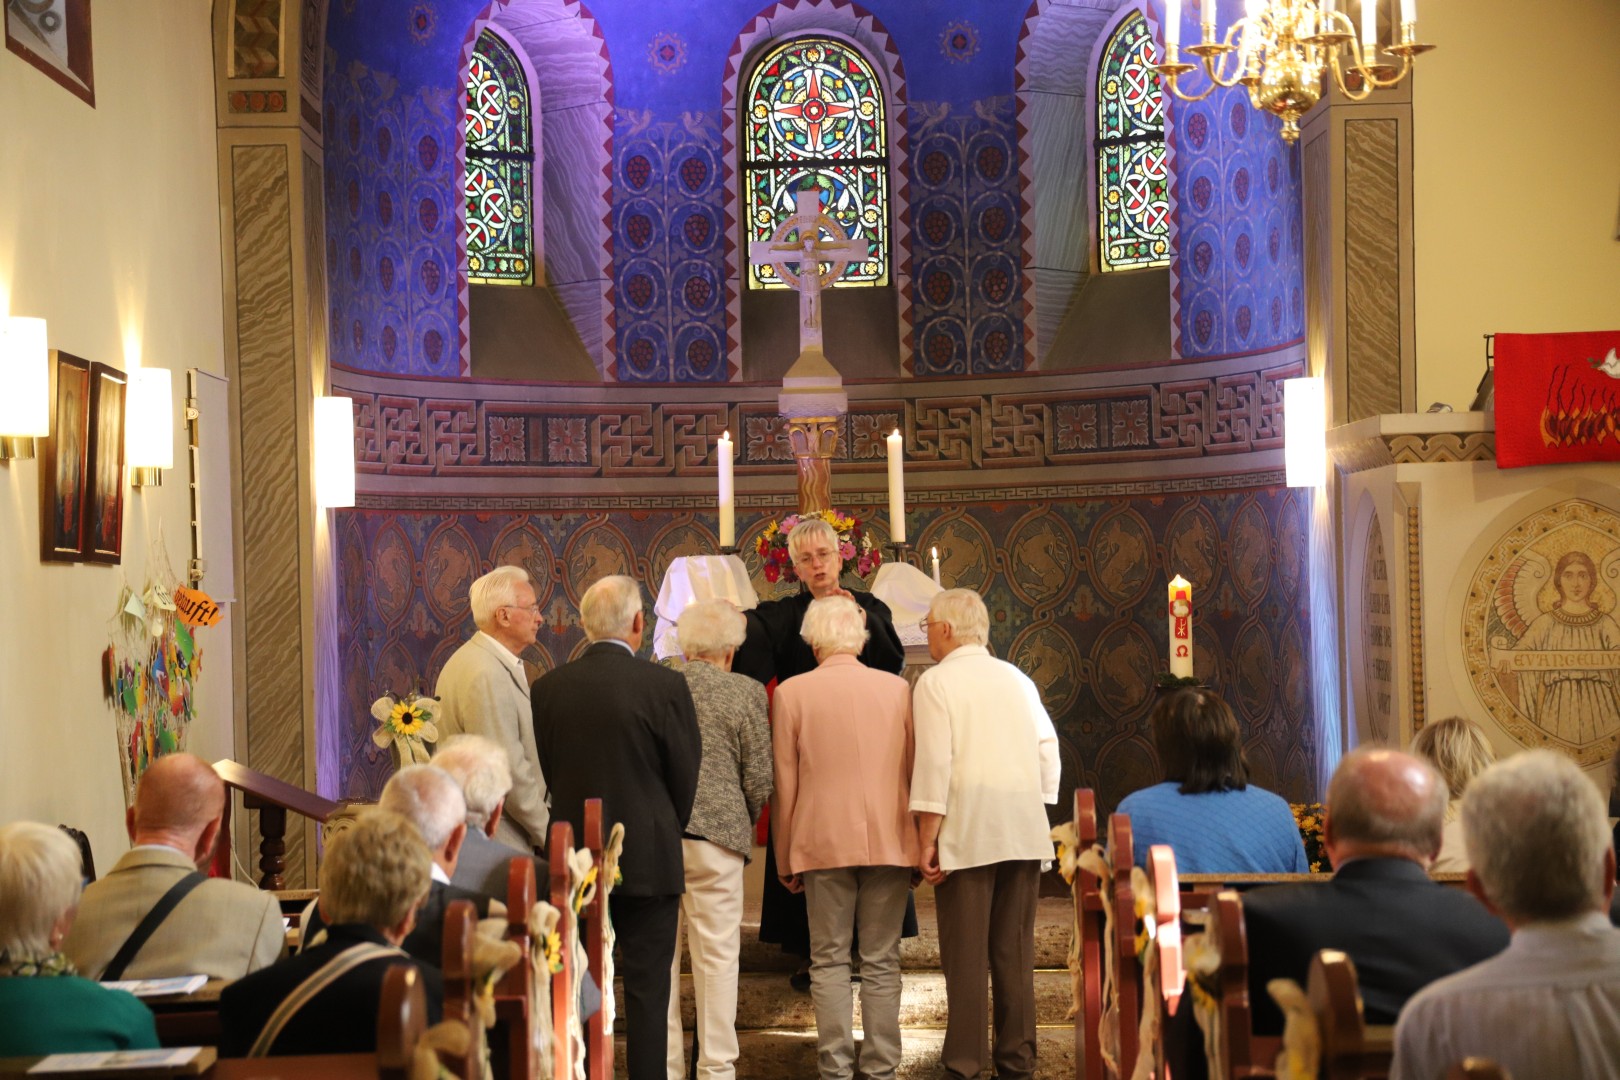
column 532, row 609
column 924, row 624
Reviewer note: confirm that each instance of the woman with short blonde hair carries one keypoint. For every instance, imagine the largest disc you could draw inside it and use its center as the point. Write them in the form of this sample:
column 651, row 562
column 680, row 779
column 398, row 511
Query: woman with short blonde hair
column 1459, row 751
column 49, row 1009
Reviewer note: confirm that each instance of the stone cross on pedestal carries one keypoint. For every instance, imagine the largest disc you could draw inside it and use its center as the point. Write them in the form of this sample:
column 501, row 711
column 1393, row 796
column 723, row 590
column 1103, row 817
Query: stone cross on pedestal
column 812, row 397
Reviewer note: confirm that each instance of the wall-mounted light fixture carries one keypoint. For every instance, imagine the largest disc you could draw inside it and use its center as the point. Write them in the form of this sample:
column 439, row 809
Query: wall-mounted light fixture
column 149, row 426
column 1305, row 431
column 334, row 452
column 25, row 386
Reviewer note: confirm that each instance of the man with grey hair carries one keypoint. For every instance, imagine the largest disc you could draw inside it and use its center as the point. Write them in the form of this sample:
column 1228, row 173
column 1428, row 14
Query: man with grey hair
column 1385, row 812
column 612, row 726
column 1541, row 855
column 480, row 767
column 484, row 690
column 986, row 767
column 431, row 800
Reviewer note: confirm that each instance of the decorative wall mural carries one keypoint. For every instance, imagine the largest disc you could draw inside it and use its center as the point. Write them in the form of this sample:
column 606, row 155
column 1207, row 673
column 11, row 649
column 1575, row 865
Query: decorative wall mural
column 1377, row 636
column 1540, row 634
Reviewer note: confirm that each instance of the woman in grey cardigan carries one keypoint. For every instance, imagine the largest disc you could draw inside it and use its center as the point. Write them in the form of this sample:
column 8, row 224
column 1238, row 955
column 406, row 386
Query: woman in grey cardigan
column 734, row 783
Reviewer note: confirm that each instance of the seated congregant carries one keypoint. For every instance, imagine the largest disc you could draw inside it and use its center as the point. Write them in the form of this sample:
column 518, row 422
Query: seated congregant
column 1206, row 809
column 431, row 800
column 1458, row 749
column 44, row 1007
column 374, row 878
column 219, row 928
column 1402, row 929
column 1540, row 855
column 479, row 765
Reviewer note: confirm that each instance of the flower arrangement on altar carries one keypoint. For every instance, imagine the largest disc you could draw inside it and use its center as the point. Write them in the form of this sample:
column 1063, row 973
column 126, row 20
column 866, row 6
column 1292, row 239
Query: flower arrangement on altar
column 408, row 725
column 861, row 556
column 1310, row 818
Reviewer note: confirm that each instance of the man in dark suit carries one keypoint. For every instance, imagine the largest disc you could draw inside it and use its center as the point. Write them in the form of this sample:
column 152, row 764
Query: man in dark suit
column 479, row 766
column 1385, row 811
column 431, row 800
column 614, row 727
column 373, row 879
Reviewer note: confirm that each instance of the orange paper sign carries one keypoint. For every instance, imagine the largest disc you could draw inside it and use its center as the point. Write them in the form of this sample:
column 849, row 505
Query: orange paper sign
column 195, row 607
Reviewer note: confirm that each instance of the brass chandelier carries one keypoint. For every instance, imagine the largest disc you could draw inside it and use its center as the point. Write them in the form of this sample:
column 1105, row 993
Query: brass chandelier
column 1280, row 50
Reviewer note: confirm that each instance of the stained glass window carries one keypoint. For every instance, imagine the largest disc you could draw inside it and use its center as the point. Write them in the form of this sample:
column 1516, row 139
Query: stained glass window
column 815, row 110
column 500, row 167
column 1133, row 186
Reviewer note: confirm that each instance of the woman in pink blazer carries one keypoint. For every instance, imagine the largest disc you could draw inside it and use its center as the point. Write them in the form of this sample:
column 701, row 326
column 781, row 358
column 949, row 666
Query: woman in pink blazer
column 844, row 833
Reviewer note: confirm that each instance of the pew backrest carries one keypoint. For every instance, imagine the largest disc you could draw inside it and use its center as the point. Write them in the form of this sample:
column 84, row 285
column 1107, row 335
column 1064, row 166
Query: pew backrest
column 594, row 925
column 1088, row 922
column 1351, row 1049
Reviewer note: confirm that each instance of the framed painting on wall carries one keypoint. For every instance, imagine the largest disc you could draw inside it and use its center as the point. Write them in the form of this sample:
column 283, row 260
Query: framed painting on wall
column 104, row 473
column 63, row 457
column 54, row 36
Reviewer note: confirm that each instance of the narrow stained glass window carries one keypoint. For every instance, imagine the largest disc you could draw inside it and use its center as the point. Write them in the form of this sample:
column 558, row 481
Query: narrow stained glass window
column 814, row 110
column 500, row 167
column 1133, row 186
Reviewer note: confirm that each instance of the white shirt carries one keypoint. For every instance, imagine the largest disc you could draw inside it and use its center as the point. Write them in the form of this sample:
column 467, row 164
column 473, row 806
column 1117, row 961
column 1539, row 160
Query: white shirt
column 1547, row 1006
column 986, row 758
column 507, row 654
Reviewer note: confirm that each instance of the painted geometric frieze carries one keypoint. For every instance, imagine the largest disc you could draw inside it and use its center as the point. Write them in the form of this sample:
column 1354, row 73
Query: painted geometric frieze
column 1541, row 638
column 405, row 433
column 1069, row 581
column 1377, row 636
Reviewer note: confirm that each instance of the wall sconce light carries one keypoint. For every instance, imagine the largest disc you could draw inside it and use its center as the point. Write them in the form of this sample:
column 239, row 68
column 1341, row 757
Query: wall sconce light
column 149, row 429
column 334, row 452
column 25, row 374
column 1305, row 431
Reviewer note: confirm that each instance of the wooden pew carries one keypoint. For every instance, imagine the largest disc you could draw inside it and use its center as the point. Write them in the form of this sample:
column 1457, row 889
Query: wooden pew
column 401, row 1020
column 562, row 983
column 1244, row 1054
column 512, row 1005
column 460, row 929
column 1351, row 1049
column 1120, row 897
column 1088, row 920
column 594, row 925
column 272, row 798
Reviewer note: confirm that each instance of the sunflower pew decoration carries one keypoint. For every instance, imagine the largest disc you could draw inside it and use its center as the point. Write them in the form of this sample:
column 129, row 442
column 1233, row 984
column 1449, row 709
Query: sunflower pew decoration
column 861, row 556
column 408, row 726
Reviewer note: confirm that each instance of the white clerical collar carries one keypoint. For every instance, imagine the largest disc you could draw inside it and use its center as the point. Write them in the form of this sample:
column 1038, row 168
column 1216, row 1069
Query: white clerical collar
column 439, row 875
column 511, row 657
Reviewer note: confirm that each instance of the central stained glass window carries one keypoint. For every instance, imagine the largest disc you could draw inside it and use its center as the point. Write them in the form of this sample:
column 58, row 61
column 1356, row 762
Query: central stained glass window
column 1133, row 184
column 815, row 111
column 500, row 167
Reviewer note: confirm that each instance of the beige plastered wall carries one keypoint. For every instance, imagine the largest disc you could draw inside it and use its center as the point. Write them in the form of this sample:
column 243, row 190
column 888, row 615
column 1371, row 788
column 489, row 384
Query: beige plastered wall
column 1517, row 179
column 110, row 230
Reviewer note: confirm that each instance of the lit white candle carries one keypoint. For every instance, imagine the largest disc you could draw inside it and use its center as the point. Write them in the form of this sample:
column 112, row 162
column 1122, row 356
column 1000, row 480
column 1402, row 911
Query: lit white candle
column 728, row 495
column 897, row 488
column 1208, row 13
column 1369, row 28
column 1408, row 11
column 1181, row 640
column 1172, row 23
column 934, row 554
column 1327, row 16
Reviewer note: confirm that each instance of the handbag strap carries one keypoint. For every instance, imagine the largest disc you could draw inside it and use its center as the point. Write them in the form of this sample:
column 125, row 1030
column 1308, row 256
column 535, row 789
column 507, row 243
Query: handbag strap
column 148, row 926
column 334, row 969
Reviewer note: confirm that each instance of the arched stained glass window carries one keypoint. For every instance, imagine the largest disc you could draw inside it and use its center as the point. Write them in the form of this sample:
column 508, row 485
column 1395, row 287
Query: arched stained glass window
column 1133, row 186
column 500, row 167
column 815, row 109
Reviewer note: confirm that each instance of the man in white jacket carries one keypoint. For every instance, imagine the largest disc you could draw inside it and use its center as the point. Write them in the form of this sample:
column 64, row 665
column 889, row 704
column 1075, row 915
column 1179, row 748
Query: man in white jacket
column 986, row 765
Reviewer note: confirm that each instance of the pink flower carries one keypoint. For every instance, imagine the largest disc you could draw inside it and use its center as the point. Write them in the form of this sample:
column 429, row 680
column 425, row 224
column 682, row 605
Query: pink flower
column 846, row 550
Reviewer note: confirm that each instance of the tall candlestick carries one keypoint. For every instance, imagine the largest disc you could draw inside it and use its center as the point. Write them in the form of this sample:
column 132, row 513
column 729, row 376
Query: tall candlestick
column 728, row 495
column 897, row 488
column 1172, row 23
column 933, row 553
column 1181, row 641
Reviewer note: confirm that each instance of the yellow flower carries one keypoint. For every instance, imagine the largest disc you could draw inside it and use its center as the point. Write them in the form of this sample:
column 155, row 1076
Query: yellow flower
column 554, row 952
column 406, row 719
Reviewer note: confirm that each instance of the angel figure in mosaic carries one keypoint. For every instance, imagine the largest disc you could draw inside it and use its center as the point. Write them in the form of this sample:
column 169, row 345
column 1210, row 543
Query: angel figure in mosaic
column 1562, row 669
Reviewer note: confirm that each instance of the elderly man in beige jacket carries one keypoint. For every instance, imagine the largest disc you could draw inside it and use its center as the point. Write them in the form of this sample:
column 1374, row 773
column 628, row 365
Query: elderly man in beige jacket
column 483, row 690
column 217, row 928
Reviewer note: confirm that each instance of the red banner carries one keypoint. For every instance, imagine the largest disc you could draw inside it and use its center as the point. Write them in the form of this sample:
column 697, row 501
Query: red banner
column 1557, row 398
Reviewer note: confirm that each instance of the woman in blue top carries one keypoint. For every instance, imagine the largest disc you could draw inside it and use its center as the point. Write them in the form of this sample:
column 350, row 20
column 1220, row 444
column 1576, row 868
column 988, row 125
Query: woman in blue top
column 47, row 1008
column 1206, row 810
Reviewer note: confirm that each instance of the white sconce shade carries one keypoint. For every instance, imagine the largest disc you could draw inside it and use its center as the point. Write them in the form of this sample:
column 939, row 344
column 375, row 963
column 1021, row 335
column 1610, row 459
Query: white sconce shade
column 1305, row 429
column 25, row 379
column 149, row 429
column 334, row 452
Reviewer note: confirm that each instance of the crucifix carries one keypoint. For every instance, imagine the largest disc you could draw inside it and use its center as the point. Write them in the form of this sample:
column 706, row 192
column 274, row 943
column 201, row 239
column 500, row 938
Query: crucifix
column 812, row 397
